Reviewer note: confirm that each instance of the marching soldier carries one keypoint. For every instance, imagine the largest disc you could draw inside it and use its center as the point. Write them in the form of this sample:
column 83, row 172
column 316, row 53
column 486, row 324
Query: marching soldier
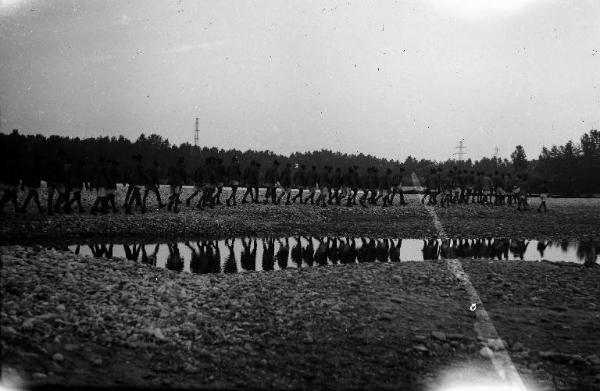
column 234, row 176
column 299, row 182
column 177, row 179
column 153, row 185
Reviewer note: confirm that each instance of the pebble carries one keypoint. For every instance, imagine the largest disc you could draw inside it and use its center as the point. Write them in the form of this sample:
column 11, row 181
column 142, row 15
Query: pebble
column 517, row 347
column 7, row 331
column 58, row 357
column 39, row 375
column 594, row 359
column 439, row 335
column 496, row 344
column 486, row 352
column 420, row 348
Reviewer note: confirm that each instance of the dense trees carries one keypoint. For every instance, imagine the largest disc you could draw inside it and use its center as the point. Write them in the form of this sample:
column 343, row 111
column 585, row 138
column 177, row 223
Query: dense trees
column 573, row 168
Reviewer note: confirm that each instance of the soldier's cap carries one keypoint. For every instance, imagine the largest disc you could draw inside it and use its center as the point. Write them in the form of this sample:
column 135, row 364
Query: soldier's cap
column 338, row 169
column 356, row 167
column 180, row 159
column 302, row 166
column 252, row 162
column 234, row 159
column 275, row 162
column 401, row 168
column 389, row 170
column 288, row 164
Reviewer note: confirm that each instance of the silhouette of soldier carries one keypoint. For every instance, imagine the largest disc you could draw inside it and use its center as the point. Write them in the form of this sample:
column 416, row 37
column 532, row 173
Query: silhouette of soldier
column 299, row 182
column 32, row 179
column 177, row 178
column 285, row 180
column 234, row 176
column 153, row 185
column 100, row 182
column 136, row 180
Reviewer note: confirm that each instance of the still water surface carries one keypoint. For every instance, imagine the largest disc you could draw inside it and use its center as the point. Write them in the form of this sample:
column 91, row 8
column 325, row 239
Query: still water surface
column 262, row 254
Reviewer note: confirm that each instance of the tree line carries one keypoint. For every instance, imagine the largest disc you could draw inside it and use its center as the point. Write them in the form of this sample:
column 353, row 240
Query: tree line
column 570, row 169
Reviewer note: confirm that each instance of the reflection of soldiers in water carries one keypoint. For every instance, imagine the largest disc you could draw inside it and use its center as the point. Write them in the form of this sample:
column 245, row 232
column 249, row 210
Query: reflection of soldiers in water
column 447, row 250
column 382, row 249
column 248, row 255
column 101, row 250
column 518, row 248
column 150, row 259
column 308, row 254
column 587, row 251
column 283, row 253
column 333, row 251
column 541, row 247
column 132, row 253
column 230, row 264
column 499, row 248
column 213, row 254
column 430, row 249
column 395, row 250
column 297, row 253
column 480, row 249
column 268, row 259
column 371, row 251
column 564, row 245
column 348, row 251
column 174, row 260
column 464, row 249
column 321, row 253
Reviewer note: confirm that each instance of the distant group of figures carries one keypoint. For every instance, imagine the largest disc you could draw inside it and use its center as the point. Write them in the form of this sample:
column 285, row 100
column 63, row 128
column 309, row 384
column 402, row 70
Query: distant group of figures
column 66, row 178
column 206, row 255
column 458, row 186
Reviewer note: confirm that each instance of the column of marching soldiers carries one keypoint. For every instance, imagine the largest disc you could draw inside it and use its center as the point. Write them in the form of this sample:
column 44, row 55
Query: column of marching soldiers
column 66, row 178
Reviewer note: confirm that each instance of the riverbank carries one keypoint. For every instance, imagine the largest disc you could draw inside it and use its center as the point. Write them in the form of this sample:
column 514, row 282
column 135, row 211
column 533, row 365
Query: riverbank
column 74, row 320
column 568, row 219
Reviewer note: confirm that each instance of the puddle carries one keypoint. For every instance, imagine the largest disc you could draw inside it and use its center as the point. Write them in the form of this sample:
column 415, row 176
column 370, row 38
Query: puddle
column 264, row 254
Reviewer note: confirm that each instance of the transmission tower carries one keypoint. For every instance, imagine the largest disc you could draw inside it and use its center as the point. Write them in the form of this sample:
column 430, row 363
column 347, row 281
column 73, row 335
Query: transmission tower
column 196, row 131
column 461, row 150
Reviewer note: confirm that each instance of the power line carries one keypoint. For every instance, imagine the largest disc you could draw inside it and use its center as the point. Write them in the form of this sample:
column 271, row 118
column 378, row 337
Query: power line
column 461, row 150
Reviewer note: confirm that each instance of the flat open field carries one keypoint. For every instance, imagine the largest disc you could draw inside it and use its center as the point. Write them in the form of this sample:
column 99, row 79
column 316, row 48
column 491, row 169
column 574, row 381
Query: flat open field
column 73, row 320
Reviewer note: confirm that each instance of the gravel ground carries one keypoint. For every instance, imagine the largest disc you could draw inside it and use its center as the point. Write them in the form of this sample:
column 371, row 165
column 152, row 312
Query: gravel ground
column 83, row 321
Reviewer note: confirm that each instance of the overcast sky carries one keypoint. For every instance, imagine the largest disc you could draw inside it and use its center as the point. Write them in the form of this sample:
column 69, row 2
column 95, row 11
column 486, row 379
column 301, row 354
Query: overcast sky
column 389, row 78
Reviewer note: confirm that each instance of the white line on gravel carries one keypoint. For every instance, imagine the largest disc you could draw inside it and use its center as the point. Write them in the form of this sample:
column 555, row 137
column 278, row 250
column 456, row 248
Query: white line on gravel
column 486, row 332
